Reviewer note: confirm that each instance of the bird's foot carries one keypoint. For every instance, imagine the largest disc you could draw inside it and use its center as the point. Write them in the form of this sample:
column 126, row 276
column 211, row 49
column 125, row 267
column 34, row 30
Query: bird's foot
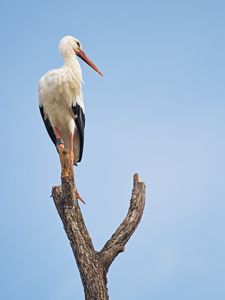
column 78, row 197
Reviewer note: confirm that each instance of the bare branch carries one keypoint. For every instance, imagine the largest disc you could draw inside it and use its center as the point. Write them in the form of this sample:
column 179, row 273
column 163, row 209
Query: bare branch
column 92, row 265
column 117, row 242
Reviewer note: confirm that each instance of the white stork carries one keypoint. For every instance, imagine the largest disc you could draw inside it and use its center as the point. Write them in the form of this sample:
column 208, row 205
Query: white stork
column 61, row 100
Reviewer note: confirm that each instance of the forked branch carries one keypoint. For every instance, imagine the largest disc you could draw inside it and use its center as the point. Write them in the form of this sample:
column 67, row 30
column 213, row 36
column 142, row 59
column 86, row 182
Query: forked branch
column 93, row 266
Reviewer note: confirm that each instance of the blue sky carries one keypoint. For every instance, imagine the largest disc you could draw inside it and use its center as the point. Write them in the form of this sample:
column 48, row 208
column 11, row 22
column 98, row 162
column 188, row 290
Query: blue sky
column 159, row 110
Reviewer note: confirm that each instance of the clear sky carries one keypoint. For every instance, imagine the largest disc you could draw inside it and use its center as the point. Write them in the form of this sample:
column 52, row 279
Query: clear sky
column 159, row 110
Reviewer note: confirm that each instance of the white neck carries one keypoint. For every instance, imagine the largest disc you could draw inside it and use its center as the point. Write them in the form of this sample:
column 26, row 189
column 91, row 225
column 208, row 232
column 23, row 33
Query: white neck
column 68, row 55
column 71, row 63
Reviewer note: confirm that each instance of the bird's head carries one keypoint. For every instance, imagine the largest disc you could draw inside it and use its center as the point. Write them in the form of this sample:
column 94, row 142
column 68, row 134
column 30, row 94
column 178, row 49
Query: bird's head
column 70, row 44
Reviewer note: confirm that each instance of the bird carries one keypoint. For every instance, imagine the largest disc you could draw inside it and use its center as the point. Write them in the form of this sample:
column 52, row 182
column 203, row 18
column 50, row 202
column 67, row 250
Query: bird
column 61, row 100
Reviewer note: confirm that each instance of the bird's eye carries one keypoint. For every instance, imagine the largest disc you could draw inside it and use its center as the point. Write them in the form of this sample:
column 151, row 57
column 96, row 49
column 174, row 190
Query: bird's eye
column 78, row 44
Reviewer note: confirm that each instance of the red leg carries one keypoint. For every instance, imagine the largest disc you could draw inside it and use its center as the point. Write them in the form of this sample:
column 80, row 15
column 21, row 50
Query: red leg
column 60, row 143
column 71, row 149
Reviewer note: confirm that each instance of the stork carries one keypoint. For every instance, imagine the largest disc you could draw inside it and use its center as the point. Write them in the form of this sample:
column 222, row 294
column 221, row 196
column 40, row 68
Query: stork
column 61, row 100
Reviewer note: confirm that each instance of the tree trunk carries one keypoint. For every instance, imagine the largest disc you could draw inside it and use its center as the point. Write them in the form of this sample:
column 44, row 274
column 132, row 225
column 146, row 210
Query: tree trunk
column 93, row 266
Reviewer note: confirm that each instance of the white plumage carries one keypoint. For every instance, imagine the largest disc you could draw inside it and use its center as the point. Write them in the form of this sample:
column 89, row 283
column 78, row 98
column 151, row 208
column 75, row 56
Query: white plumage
column 61, row 99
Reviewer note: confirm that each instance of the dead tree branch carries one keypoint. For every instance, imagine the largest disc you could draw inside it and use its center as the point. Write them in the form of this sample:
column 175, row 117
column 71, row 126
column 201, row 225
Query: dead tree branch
column 116, row 243
column 93, row 266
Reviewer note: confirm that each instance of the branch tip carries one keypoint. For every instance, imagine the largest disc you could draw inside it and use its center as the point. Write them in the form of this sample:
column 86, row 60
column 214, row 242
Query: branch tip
column 136, row 178
column 137, row 182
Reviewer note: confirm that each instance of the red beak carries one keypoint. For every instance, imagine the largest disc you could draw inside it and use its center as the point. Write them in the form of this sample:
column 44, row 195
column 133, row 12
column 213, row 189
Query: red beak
column 83, row 56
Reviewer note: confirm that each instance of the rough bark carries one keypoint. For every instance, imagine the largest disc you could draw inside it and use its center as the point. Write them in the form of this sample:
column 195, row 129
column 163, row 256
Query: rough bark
column 93, row 266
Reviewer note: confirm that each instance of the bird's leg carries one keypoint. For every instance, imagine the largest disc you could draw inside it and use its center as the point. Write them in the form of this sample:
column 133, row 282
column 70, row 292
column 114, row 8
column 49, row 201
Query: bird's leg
column 77, row 195
column 71, row 149
column 59, row 140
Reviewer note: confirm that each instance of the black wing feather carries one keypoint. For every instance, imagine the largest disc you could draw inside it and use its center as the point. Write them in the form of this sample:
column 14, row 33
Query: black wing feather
column 80, row 124
column 48, row 126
